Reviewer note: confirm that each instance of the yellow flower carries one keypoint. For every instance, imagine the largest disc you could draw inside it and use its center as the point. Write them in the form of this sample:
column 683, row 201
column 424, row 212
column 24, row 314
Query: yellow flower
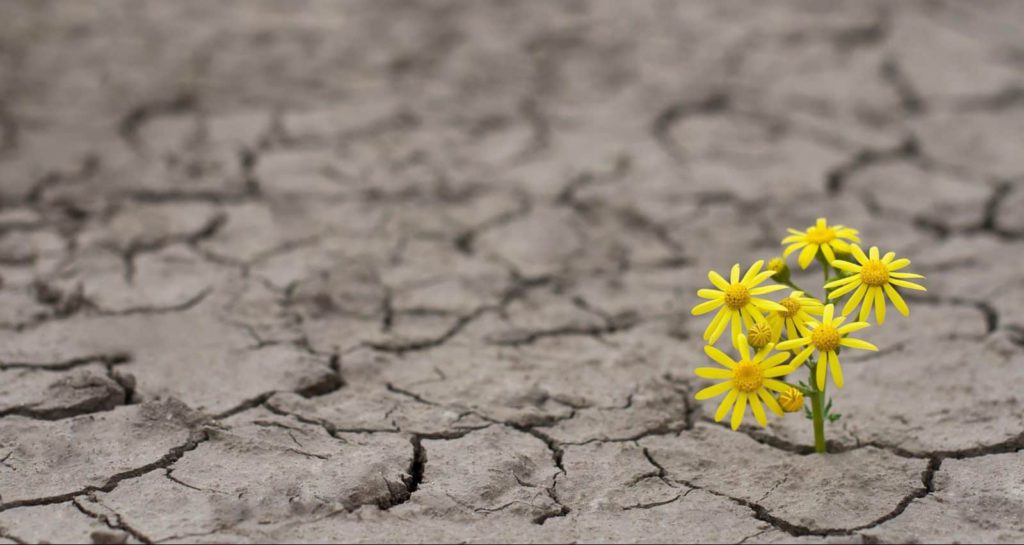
column 792, row 400
column 827, row 336
column 797, row 313
column 821, row 235
column 746, row 380
column 736, row 297
column 870, row 279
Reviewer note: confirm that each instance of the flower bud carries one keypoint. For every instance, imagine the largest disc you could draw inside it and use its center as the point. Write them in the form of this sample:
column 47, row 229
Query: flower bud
column 792, row 400
column 760, row 335
column 781, row 270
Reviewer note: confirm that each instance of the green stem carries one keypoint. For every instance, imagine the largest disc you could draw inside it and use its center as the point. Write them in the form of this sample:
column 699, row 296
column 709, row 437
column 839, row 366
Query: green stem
column 818, row 414
column 818, row 396
column 824, row 270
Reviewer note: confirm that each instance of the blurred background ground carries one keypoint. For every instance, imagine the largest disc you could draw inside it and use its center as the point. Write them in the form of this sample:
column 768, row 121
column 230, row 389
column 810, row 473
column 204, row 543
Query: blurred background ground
column 422, row 271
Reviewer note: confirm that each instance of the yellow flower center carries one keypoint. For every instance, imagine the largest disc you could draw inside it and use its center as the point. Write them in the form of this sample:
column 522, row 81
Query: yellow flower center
column 737, row 296
column 825, row 338
column 759, row 335
column 792, row 307
column 792, row 400
column 820, row 235
column 874, row 273
column 747, row 377
column 776, row 264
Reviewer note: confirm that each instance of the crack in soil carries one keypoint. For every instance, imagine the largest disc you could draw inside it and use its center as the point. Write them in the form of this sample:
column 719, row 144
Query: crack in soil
column 172, row 456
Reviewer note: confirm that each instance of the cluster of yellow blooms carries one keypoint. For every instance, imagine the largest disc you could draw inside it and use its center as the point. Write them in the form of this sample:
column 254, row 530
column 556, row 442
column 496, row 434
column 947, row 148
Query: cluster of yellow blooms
column 757, row 324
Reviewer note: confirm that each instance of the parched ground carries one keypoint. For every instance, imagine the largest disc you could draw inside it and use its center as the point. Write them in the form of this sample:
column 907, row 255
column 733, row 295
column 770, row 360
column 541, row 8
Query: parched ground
column 360, row 271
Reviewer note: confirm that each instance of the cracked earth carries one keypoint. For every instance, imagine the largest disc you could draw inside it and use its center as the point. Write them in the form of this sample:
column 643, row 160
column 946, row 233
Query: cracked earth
column 382, row 271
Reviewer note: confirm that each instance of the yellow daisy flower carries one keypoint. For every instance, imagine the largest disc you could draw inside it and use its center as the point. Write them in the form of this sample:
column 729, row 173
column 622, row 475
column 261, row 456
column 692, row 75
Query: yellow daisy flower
column 798, row 312
column 871, row 278
column 736, row 297
column 826, row 337
column 820, row 236
column 747, row 381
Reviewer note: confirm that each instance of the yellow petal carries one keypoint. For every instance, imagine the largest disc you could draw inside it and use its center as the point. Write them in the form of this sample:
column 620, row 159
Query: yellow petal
column 905, row 275
column 842, row 245
column 714, row 391
column 766, row 304
column 777, row 385
column 748, row 321
column 792, row 248
column 897, row 300
column 726, row 404
column 837, row 371
column 760, row 278
column 719, row 357
column 865, row 309
column 845, row 289
column 852, row 327
column 791, row 329
column 776, row 359
column 752, row 271
column 801, row 357
column 738, row 410
column 905, row 284
column 858, row 254
column 758, row 410
column 846, row 266
column 827, row 250
column 851, row 303
column 820, row 374
column 740, row 341
column 769, row 400
column 807, row 255
column 874, row 252
column 898, row 264
column 707, row 306
column 710, row 294
column 858, row 343
column 717, row 280
column 826, row 317
column 734, row 274
column 793, row 343
column 879, row 306
column 766, row 289
column 842, row 281
column 888, row 257
column 713, row 373
column 779, row 371
column 715, row 322
column 723, row 323
column 737, row 323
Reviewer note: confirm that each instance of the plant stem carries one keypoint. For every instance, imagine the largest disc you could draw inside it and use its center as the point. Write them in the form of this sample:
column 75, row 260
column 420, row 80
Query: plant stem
column 818, row 413
column 818, row 396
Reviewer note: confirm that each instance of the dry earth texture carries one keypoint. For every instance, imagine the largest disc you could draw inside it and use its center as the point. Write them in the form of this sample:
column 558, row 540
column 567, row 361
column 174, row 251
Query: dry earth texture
column 359, row 271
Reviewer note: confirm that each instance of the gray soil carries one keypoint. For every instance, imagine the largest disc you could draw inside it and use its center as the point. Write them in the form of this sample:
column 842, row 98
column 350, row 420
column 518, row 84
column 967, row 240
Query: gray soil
column 396, row 271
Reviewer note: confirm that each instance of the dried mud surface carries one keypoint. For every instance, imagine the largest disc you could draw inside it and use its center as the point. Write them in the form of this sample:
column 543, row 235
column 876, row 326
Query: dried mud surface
column 397, row 271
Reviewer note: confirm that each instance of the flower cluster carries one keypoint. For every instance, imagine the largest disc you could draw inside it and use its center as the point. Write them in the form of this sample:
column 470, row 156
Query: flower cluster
column 774, row 339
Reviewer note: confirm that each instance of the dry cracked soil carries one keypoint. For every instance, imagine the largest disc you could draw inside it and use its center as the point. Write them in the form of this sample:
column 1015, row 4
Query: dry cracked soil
column 422, row 271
